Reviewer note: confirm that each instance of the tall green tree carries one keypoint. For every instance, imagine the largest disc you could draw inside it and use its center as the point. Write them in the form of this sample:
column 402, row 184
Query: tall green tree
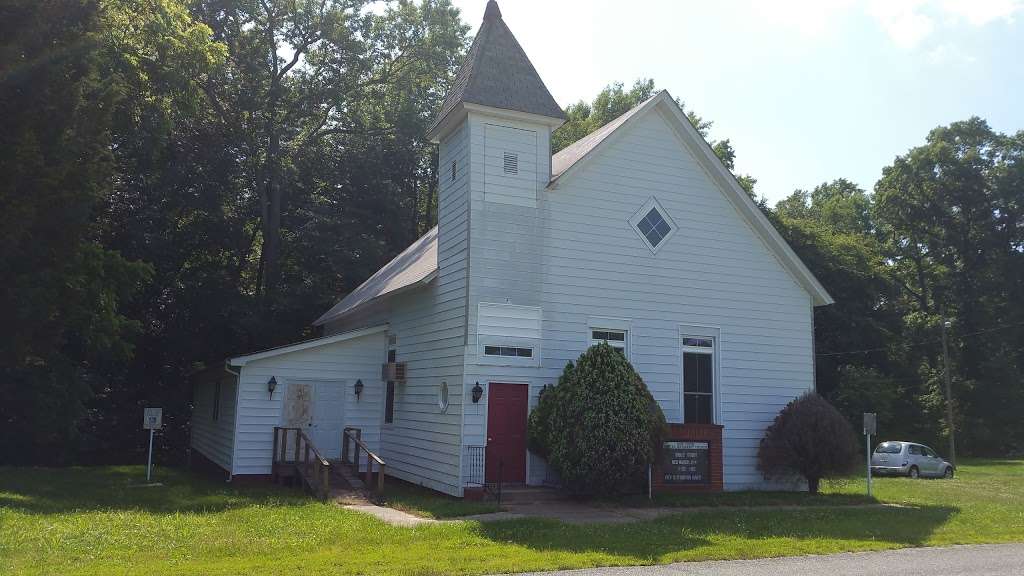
column 613, row 101
column 303, row 75
column 354, row 174
column 951, row 213
column 66, row 334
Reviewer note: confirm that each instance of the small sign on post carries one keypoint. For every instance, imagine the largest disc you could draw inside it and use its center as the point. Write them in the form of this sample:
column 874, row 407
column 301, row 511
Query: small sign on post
column 152, row 419
column 870, row 428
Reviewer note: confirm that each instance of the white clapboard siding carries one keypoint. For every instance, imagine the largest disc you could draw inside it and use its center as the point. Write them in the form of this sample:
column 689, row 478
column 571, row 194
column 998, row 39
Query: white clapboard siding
column 578, row 259
column 337, row 364
column 510, row 147
column 214, row 438
column 713, row 272
column 423, row 443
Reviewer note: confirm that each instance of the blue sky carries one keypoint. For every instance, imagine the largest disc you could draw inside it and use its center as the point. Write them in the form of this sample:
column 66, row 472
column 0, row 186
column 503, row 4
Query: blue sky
column 808, row 91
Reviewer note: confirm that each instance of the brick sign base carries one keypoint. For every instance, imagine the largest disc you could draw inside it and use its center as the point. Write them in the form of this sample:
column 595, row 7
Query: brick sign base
column 685, row 457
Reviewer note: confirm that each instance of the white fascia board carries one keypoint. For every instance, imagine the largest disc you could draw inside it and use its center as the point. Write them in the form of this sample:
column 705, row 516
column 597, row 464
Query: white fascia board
column 745, row 205
column 305, row 345
column 459, row 113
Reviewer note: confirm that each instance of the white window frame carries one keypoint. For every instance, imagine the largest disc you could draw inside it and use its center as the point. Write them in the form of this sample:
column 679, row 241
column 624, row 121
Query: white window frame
column 704, row 333
column 443, row 396
column 634, row 222
column 608, row 324
column 484, row 341
column 612, row 343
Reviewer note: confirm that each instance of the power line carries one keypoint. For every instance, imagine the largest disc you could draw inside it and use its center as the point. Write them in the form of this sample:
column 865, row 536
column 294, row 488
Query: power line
column 923, row 343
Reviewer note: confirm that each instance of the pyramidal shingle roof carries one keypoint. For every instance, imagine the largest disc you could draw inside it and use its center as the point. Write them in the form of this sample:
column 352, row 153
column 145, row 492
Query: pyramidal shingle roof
column 497, row 73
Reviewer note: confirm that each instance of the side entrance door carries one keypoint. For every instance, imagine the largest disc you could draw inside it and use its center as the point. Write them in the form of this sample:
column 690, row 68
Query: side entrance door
column 506, row 433
column 318, row 409
column 328, row 414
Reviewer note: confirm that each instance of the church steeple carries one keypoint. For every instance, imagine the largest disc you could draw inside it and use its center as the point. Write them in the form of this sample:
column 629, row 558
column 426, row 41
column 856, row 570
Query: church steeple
column 498, row 74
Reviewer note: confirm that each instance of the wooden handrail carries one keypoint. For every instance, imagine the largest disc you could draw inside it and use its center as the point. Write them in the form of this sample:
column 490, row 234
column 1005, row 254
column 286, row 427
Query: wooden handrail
column 315, row 472
column 355, row 434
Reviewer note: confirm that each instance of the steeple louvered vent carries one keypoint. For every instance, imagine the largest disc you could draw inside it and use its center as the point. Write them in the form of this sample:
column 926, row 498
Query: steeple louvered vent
column 511, row 163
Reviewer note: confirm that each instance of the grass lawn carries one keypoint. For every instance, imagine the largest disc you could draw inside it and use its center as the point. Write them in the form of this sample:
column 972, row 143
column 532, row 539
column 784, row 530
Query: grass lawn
column 90, row 521
column 428, row 503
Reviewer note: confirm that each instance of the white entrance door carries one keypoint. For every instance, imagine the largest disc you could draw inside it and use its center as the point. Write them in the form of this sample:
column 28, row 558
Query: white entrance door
column 317, row 408
column 328, row 414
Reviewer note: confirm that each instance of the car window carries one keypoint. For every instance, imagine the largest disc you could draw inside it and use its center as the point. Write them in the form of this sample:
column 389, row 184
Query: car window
column 915, row 450
column 889, row 448
column 930, row 453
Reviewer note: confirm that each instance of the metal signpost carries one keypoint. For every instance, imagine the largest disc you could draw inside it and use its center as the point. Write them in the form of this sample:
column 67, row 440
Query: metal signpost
column 870, row 425
column 152, row 419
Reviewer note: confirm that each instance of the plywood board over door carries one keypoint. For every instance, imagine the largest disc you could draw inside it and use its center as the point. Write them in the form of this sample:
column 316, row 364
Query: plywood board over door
column 318, row 408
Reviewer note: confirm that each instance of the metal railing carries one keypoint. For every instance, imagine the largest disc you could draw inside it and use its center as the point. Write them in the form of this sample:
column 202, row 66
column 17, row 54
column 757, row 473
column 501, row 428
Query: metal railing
column 474, row 464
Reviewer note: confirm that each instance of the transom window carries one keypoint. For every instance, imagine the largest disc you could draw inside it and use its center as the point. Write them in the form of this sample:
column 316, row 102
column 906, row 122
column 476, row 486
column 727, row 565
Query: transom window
column 653, row 225
column 512, row 351
column 615, row 338
column 698, row 380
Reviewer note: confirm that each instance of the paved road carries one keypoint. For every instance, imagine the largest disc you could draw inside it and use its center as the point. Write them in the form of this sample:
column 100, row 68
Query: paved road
column 981, row 560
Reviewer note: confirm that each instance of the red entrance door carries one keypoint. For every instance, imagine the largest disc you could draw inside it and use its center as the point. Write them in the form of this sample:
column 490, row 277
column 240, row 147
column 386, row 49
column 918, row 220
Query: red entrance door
column 506, row 433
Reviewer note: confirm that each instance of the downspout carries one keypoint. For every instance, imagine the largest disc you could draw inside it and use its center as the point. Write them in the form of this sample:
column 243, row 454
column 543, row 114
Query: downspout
column 238, row 384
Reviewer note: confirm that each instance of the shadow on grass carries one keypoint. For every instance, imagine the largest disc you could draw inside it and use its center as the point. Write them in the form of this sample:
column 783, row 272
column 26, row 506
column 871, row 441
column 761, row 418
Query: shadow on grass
column 425, row 502
column 746, row 498
column 60, row 490
column 741, row 529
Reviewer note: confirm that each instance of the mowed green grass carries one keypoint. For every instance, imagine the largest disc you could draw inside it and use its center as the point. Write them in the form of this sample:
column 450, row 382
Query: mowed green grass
column 90, row 521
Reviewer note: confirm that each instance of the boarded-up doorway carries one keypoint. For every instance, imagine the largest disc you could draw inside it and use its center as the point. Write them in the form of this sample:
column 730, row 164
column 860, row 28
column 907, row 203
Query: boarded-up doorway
column 318, row 408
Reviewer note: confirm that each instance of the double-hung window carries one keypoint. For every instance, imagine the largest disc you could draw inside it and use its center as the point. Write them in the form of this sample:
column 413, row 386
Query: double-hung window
column 698, row 380
column 618, row 339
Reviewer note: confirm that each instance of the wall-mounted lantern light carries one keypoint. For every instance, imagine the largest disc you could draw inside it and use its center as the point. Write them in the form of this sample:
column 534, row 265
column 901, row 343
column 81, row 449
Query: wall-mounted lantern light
column 478, row 393
column 271, row 386
column 358, row 388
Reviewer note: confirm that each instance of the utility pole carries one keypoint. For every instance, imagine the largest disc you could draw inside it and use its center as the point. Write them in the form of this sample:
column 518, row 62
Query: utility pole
column 949, row 393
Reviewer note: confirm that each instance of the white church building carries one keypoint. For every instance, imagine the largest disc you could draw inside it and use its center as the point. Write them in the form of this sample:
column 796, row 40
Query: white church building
column 636, row 235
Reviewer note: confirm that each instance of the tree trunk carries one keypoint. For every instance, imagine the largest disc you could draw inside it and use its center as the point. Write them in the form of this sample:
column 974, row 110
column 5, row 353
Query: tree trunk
column 813, row 485
column 271, row 197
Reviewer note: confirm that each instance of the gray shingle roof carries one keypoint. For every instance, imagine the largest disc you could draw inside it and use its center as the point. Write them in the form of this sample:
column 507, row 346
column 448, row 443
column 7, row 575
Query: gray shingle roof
column 497, row 73
column 575, row 152
column 415, row 264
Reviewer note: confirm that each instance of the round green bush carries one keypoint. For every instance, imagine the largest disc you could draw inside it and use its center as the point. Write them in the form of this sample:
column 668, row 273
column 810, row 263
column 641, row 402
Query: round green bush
column 599, row 428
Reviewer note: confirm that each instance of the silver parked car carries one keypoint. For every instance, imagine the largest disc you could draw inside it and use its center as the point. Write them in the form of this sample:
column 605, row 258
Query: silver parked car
column 909, row 459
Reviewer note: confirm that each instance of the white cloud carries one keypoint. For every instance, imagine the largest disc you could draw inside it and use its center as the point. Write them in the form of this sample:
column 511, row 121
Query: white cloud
column 908, row 23
column 981, row 12
column 811, row 18
column 903, row 20
column 945, row 54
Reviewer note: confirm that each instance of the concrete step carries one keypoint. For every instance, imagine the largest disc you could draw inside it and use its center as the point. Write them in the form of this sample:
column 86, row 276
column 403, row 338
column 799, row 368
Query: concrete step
column 528, row 494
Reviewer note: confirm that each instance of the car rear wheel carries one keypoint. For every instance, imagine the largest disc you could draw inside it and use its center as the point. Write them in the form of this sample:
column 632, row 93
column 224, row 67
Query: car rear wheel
column 948, row 473
column 914, row 473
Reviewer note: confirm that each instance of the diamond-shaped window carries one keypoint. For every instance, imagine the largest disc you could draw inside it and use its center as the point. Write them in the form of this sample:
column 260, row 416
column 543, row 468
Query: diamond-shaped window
column 653, row 224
